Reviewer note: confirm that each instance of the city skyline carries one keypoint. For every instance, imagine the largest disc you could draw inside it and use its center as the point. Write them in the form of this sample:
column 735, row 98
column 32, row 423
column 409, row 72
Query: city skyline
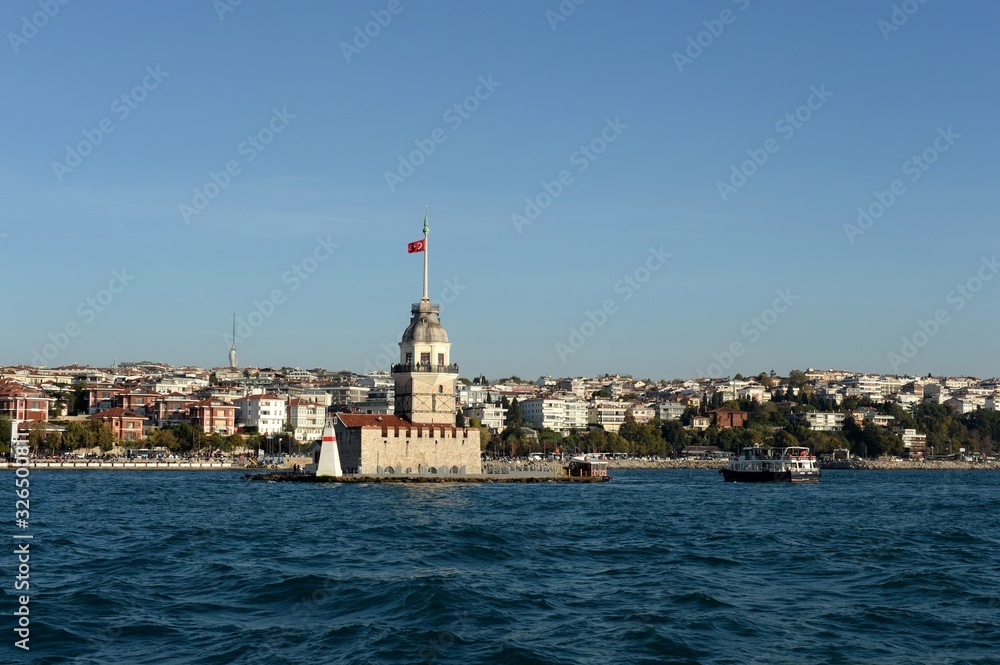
column 651, row 190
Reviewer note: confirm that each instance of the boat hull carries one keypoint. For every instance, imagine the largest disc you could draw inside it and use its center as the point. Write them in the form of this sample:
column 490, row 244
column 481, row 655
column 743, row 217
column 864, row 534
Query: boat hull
column 733, row 476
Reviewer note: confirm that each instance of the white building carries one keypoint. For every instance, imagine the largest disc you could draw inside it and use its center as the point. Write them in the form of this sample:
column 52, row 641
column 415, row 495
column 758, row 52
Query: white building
column 265, row 412
column 377, row 380
column 822, row 421
column 609, row 415
column 348, row 394
column 641, row 413
column 560, row 412
column 472, row 395
column 670, row 410
column 306, row 419
column 492, row 416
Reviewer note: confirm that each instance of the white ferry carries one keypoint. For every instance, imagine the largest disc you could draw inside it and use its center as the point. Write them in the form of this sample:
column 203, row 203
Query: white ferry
column 771, row 465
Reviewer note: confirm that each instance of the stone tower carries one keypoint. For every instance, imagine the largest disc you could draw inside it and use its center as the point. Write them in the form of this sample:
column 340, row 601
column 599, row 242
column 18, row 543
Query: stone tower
column 425, row 376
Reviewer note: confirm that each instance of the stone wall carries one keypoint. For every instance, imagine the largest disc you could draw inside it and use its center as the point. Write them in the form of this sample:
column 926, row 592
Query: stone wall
column 444, row 454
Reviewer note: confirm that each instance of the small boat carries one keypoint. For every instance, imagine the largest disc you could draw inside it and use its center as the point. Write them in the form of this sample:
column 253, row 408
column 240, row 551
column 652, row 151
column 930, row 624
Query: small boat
column 794, row 464
column 587, row 467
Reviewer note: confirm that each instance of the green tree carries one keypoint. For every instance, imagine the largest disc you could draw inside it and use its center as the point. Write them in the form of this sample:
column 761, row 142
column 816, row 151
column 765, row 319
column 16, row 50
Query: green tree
column 514, row 416
column 549, row 440
column 36, row 436
column 75, row 435
column 797, row 378
column 53, row 441
column 214, row 441
column 100, row 434
column 235, row 442
column 164, row 438
column 5, row 434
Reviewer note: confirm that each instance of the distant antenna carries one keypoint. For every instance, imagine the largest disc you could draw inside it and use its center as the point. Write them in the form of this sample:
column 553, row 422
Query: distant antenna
column 232, row 352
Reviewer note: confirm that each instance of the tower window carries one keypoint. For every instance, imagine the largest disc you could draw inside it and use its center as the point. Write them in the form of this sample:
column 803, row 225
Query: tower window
column 440, row 359
column 425, row 359
column 440, row 389
column 409, row 358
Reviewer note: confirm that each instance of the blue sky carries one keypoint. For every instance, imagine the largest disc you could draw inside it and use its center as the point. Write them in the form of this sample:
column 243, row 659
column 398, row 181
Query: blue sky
column 336, row 119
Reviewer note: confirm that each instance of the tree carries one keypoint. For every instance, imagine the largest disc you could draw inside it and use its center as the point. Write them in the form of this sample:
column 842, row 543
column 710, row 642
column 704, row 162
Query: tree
column 797, row 378
column 99, row 434
column 4, row 434
column 36, row 436
column 485, row 436
column 235, row 442
column 75, row 436
column 164, row 438
column 643, row 439
column 459, row 419
column 53, row 441
column 514, row 416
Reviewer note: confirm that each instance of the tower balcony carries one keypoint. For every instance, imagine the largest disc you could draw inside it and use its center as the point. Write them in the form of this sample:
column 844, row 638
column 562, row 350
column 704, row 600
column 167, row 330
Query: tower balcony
column 426, row 307
column 425, row 367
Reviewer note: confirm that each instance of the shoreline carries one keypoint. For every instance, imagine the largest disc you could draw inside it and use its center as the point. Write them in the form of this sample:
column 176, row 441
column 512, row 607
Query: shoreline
column 856, row 464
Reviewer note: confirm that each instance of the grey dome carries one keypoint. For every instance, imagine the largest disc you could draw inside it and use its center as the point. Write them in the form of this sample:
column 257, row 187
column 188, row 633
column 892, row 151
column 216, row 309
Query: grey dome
column 425, row 326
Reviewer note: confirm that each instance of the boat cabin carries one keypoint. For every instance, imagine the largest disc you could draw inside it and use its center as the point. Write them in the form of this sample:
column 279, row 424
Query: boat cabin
column 580, row 467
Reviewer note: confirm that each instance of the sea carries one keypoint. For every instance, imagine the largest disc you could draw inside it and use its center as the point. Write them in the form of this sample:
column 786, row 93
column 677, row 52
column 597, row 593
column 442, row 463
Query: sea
column 657, row 566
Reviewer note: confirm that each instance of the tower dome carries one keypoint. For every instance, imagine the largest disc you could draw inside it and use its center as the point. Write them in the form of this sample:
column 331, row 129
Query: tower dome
column 425, row 324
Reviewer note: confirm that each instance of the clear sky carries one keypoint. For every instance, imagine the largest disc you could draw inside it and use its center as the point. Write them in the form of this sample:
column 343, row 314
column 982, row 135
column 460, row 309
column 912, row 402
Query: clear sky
column 116, row 112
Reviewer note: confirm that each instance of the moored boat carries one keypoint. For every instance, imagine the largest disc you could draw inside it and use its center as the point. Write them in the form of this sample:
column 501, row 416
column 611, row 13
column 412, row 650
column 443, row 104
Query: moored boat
column 587, row 467
column 795, row 464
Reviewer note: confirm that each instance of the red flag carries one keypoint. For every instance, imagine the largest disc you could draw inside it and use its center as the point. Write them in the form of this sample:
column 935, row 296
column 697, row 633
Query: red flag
column 417, row 246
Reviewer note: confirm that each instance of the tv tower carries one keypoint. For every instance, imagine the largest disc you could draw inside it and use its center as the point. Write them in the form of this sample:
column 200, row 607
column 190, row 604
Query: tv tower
column 232, row 352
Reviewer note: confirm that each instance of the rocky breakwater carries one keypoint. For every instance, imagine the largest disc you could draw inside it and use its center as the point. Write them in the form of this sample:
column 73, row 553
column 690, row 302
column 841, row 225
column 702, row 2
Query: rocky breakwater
column 910, row 465
column 667, row 464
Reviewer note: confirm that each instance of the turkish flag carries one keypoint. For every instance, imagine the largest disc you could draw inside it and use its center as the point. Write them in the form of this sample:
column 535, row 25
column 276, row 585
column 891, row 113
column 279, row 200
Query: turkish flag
column 417, row 246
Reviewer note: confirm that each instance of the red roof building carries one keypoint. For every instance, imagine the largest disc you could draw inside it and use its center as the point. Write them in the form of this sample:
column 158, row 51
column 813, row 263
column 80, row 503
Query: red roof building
column 126, row 425
column 19, row 402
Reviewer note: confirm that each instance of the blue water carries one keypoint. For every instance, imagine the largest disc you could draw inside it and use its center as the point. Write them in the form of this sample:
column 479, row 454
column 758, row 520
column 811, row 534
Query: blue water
column 654, row 567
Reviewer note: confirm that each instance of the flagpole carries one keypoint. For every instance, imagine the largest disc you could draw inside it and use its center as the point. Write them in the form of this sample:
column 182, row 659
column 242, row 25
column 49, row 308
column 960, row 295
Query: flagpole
column 427, row 229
